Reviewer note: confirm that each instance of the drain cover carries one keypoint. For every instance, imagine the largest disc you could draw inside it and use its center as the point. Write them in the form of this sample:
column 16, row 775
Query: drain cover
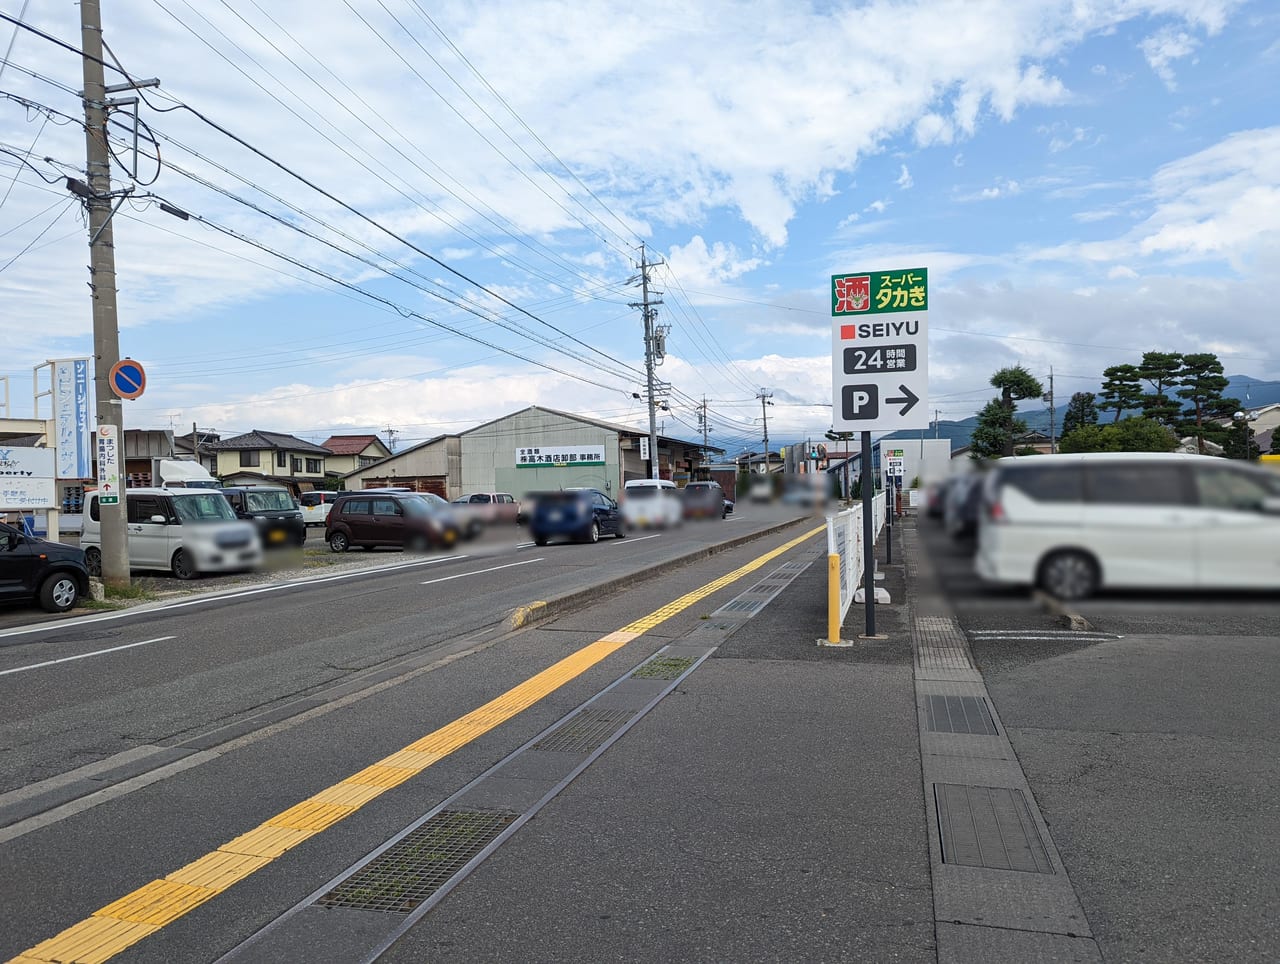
column 741, row 606
column 584, row 731
column 958, row 714
column 989, row 827
column 402, row 877
column 663, row 667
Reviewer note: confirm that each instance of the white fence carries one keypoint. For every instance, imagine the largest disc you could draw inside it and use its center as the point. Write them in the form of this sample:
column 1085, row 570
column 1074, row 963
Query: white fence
column 845, row 559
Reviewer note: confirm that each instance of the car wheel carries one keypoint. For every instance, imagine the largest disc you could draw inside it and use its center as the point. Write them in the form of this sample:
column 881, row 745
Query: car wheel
column 417, row 544
column 182, row 565
column 593, row 534
column 93, row 561
column 338, row 542
column 1069, row 575
column 621, row 532
column 449, row 538
column 539, row 540
column 59, row 593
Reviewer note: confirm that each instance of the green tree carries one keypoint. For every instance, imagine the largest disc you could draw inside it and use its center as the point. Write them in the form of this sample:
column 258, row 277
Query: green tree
column 1127, row 435
column 998, row 422
column 1275, row 442
column 1160, row 370
column 1081, row 410
column 1121, row 390
column 1202, row 383
column 1240, row 442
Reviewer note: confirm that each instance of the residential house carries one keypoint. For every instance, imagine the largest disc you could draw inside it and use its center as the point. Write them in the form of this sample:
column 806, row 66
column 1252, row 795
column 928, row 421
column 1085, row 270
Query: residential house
column 259, row 457
column 347, row 453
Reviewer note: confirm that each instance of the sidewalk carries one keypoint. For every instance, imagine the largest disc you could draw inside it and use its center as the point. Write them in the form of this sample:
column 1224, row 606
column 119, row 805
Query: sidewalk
column 768, row 809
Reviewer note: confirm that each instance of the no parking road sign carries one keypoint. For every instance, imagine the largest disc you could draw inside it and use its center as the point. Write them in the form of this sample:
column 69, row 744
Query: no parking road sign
column 127, row 378
column 880, row 350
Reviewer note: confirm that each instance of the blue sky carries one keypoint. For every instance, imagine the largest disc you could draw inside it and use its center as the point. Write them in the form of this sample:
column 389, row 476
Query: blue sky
column 1084, row 181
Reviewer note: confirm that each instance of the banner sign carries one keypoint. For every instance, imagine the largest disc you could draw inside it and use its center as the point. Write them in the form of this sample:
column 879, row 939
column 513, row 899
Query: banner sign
column 26, row 478
column 559, row 456
column 73, row 437
column 108, row 465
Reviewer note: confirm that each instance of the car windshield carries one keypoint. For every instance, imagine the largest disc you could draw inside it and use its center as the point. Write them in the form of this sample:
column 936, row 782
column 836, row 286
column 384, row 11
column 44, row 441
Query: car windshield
column 205, row 507
column 422, row 504
column 643, row 492
column 268, row 500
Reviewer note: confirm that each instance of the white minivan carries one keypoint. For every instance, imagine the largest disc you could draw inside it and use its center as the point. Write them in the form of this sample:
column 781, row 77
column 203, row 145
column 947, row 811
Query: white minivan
column 1071, row 524
column 186, row 531
column 652, row 503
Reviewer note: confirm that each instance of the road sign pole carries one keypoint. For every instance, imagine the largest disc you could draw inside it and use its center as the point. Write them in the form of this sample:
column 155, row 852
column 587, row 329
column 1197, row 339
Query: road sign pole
column 889, row 506
column 868, row 536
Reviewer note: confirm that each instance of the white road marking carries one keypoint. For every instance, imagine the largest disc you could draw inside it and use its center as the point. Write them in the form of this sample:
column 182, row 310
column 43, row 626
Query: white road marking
column 636, row 539
column 97, row 652
column 478, row 572
column 63, row 624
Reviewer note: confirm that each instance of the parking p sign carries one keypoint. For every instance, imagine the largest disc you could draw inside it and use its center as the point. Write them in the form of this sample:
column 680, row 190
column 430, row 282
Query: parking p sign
column 880, row 350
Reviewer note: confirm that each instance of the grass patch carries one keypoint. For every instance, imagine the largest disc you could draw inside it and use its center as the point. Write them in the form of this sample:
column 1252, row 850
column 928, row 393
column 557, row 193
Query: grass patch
column 87, row 602
column 663, row 667
column 131, row 591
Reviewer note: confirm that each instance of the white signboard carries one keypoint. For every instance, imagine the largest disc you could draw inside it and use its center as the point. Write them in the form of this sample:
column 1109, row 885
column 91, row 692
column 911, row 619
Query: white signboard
column 644, row 448
column 26, row 478
column 559, row 456
column 108, row 465
column 880, row 350
column 73, row 436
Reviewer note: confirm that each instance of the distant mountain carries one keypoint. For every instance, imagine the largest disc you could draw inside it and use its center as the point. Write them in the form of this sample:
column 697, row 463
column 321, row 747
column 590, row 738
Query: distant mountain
column 1252, row 393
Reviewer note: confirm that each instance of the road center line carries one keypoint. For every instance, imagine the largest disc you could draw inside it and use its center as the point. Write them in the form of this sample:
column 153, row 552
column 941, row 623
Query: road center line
column 479, row 572
column 122, row 923
column 627, row 542
column 96, row 652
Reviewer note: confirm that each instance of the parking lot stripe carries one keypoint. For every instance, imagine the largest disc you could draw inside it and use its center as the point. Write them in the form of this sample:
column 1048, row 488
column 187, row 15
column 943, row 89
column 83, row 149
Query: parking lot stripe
column 118, row 926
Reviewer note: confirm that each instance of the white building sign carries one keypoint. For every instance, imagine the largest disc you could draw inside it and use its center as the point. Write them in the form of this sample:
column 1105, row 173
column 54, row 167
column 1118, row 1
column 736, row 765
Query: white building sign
column 26, row 478
column 559, row 456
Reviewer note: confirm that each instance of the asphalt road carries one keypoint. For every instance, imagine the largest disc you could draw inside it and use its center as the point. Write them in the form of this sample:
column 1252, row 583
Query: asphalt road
column 136, row 742
column 1148, row 738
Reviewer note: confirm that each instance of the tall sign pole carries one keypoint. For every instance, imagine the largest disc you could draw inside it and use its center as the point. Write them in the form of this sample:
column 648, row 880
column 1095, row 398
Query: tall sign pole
column 880, row 373
column 102, row 280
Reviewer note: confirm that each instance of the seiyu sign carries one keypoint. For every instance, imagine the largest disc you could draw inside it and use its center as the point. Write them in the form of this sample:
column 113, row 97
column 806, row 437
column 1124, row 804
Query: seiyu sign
column 73, row 436
column 880, row 350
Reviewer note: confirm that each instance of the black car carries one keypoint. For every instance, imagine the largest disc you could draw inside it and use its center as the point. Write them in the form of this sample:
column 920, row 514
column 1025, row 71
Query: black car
column 273, row 511
column 581, row 514
column 704, row 500
column 50, row 573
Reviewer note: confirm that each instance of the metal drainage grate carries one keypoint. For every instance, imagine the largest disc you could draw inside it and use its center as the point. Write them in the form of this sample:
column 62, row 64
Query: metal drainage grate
column 584, row 731
column 959, row 714
column 663, row 667
column 989, row 827
column 741, row 606
column 402, row 877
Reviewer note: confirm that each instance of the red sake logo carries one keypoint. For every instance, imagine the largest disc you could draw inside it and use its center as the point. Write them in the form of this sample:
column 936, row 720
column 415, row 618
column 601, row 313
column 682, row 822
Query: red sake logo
column 852, row 294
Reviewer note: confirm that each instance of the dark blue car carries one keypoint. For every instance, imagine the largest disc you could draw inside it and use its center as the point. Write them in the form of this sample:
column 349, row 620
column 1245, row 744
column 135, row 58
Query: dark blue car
column 581, row 514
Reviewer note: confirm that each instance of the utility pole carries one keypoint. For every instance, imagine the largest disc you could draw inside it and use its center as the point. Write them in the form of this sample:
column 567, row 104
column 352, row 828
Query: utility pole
column 764, row 415
column 702, row 419
column 650, row 314
column 102, row 279
column 391, row 438
column 1053, row 442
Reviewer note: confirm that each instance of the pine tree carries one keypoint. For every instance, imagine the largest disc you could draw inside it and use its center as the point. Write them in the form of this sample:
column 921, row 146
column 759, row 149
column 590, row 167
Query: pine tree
column 1121, row 390
column 998, row 424
column 1081, row 410
column 1202, row 383
column 1160, row 370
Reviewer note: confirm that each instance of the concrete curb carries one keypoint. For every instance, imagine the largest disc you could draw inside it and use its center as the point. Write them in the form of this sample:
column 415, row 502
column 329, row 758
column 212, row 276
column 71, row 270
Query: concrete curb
column 544, row 609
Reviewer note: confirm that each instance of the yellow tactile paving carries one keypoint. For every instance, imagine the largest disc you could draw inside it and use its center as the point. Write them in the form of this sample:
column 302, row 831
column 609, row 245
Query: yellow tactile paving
column 311, row 815
column 218, row 870
column 91, row 941
column 266, row 841
column 158, row 903
column 134, row 916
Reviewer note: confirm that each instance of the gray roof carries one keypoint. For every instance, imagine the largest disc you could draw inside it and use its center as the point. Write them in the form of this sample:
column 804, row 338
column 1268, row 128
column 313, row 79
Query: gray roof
column 258, row 439
column 611, row 426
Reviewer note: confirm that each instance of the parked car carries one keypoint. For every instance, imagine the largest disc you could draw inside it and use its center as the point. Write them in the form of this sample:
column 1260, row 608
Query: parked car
column 703, row 500
column 1072, row 524
column 272, row 510
column 651, row 503
column 481, row 509
column 581, row 514
column 315, row 506
column 52, row 574
column 961, row 506
column 410, row 520
column 187, row 531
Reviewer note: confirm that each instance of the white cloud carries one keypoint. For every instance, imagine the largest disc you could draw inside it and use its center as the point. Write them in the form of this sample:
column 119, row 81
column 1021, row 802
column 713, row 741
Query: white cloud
column 905, row 180
column 1163, row 48
column 1121, row 271
column 698, row 266
column 878, row 206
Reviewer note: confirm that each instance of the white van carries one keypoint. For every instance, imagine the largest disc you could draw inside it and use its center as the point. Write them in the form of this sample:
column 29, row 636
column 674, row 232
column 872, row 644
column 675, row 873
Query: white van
column 1073, row 523
column 651, row 503
column 187, row 531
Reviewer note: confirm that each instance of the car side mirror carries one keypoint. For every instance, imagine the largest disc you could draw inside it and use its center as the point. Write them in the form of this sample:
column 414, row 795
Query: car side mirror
column 159, row 519
column 14, row 540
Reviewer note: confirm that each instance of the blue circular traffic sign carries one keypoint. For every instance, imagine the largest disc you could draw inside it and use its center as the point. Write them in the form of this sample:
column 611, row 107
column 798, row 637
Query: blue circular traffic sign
column 127, row 378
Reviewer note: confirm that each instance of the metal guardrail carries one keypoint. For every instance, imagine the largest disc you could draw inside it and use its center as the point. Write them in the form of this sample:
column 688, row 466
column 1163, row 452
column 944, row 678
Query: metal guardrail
column 845, row 567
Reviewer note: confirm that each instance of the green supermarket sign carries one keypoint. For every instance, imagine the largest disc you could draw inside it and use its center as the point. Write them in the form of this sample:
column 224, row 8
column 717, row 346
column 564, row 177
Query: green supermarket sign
column 880, row 292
